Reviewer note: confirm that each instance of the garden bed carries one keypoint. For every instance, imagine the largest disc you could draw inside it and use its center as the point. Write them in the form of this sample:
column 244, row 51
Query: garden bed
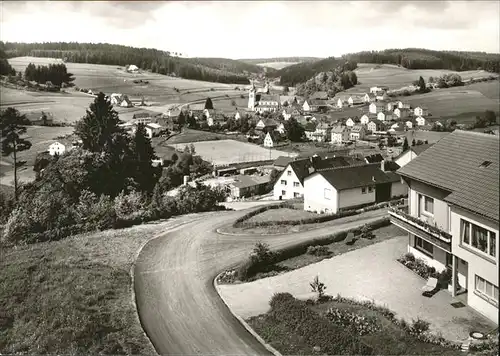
column 342, row 326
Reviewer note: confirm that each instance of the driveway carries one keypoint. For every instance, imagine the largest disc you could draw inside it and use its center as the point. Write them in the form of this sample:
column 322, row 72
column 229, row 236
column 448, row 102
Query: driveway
column 369, row 273
column 178, row 306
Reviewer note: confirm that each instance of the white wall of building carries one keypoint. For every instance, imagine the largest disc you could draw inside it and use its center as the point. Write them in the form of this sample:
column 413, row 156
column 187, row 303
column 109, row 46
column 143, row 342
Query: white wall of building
column 355, row 197
column 290, row 188
column 319, row 195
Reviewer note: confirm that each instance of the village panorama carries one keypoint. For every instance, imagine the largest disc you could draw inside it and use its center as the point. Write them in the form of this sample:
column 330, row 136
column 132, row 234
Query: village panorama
column 249, row 178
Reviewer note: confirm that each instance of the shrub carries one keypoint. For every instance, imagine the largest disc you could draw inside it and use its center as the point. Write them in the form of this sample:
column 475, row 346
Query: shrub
column 262, row 253
column 318, row 287
column 318, row 251
column 359, row 324
column 95, row 213
column 419, row 326
column 314, row 329
column 130, row 207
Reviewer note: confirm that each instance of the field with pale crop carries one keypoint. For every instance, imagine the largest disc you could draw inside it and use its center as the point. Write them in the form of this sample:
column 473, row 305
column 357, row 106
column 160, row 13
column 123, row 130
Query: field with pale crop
column 229, row 151
column 277, row 65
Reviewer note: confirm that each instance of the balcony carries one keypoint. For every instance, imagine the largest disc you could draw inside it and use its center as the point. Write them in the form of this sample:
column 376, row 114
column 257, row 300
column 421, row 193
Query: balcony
column 420, row 228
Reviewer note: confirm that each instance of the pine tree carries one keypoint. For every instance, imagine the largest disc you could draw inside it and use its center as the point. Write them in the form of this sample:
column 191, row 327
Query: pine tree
column 11, row 128
column 405, row 145
column 143, row 153
column 208, row 104
column 99, row 126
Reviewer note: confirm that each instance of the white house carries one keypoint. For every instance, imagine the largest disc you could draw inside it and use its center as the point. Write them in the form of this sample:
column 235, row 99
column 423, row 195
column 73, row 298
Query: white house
column 281, row 128
column 401, row 113
column 420, row 121
column 376, row 89
column 373, row 126
column 268, row 141
column 395, row 126
column 409, row 124
column 421, row 111
column 237, row 115
column 132, row 68
column 403, row 105
column 210, row 121
column 452, row 219
column 349, row 122
column 384, row 116
column 341, row 103
column 152, row 129
column 332, row 190
column 382, row 95
column 355, row 100
column 340, row 134
column 287, row 114
column 392, row 105
column 58, row 148
column 369, row 98
column 365, row 119
column 358, row 132
column 306, row 106
column 375, row 108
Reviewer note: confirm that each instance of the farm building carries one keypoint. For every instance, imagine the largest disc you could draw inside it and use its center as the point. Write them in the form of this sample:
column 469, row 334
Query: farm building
column 132, row 68
column 373, row 126
column 421, row 111
column 246, row 186
column 366, row 118
column 401, row 113
column 152, row 129
column 378, row 89
column 403, row 105
column 420, row 121
column 385, row 116
column 355, row 100
column 266, row 125
column 333, row 190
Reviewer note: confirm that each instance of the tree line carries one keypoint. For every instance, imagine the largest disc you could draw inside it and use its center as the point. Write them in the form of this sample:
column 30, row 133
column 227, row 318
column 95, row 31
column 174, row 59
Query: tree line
column 106, row 181
column 145, row 58
column 415, row 58
column 57, row 74
column 331, row 82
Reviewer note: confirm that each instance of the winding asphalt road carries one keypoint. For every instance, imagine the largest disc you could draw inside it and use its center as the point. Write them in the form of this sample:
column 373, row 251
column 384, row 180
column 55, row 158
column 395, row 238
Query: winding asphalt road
column 178, row 306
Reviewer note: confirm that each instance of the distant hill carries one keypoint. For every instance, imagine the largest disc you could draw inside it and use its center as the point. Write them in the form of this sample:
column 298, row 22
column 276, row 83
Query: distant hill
column 263, row 61
column 206, row 69
column 410, row 58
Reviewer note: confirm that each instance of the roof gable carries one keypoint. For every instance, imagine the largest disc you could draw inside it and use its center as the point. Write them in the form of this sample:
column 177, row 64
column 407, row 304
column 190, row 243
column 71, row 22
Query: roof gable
column 357, row 176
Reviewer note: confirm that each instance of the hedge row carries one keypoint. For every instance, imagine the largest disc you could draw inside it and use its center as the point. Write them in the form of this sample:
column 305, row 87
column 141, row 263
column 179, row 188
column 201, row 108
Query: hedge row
column 315, row 330
column 252, row 267
column 312, row 220
column 259, row 210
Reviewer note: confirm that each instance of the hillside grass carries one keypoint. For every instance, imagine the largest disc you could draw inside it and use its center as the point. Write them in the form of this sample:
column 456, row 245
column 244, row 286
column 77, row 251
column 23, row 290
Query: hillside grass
column 73, row 296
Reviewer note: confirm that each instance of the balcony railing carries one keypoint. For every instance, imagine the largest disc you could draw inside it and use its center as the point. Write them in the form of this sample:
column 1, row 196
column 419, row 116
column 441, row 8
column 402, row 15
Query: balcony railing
column 422, row 225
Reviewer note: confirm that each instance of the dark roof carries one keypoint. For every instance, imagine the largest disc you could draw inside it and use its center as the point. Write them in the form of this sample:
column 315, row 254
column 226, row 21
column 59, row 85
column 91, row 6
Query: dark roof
column 375, row 158
column 283, row 161
column 305, row 167
column 454, row 164
column 358, row 176
column 244, row 181
column 310, row 126
column 391, row 166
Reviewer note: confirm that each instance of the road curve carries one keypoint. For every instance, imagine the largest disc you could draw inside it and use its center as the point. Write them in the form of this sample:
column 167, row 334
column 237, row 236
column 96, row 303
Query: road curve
column 176, row 300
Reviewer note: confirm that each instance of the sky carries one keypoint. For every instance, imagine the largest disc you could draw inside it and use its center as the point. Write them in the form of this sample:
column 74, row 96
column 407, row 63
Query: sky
column 258, row 29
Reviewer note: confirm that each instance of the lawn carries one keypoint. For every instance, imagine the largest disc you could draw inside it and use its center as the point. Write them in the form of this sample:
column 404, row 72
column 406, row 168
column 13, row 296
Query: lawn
column 223, row 152
column 281, row 214
column 387, row 339
column 73, row 296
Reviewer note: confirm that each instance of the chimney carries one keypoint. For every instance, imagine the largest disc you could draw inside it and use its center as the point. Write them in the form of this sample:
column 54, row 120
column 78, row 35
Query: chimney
column 186, row 180
column 382, row 165
column 373, row 178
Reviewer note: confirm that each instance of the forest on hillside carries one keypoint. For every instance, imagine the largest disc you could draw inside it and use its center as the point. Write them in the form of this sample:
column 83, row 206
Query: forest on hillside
column 415, row 58
column 157, row 61
column 279, row 59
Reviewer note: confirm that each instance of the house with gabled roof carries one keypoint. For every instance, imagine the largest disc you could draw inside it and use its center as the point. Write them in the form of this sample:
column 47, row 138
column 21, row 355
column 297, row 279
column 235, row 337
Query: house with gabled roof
column 309, row 129
column 355, row 100
column 421, row 111
column 377, row 107
column 385, row 116
column 369, row 98
column 421, row 121
column 401, row 113
column 410, row 154
column 339, row 134
column 373, row 126
column 452, row 219
column 290, row 184
column 350, row 122
column 403, row 105
column 358, row 132
column 266, row 125
column 348, row 187
column 269, row 140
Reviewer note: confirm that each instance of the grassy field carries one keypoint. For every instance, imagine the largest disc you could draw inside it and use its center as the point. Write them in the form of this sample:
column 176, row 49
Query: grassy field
column 389, row 339
column 396, row 77
column 160, row 90
column 459, row 103
column 73, row 296
column 229, row 151
column 40, row 137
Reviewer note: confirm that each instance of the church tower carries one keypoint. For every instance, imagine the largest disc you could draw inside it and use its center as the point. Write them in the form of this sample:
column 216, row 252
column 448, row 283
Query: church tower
column 251, row 97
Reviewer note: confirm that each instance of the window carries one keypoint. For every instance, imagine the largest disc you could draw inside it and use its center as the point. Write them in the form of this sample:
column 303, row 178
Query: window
column 296, row 195
column 327, row 193
column 428, row 205
column 487, row 290
column 478, row 238
column 363, row 190
column 283, row 192
column 449, row 259
column 424, row 246
column 288, row 173
column 296, row 184
column 283, row 182
column 370, row 189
